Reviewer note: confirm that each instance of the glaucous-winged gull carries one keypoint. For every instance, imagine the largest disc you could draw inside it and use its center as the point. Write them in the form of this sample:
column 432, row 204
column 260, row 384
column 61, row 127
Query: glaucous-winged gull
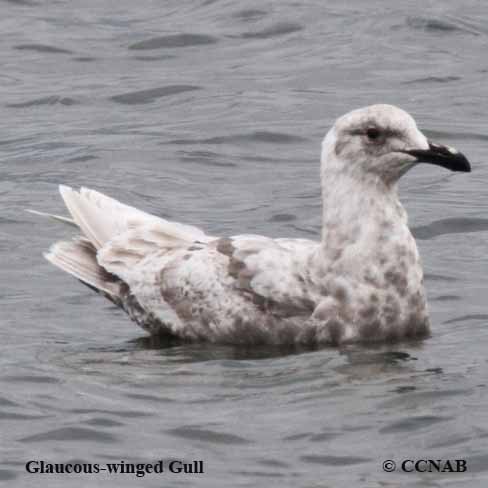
column 362, row 281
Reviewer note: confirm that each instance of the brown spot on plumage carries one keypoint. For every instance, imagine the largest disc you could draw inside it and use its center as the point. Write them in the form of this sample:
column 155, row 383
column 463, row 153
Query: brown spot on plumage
column 400, row 250
column 370, row 278
column 391, row 310
column 337, row 254
column 324, row 290
column 395, row 278
column 225, row 246
column 259, row 301
column 235, row 267
column 184, row 309
column 374, row 298
column 169, row 295
column 368, row 313
column 416, row 301
column 195, row 247
column 340, row 293
column 339, row 146
column 297, row 308
column 145, row 319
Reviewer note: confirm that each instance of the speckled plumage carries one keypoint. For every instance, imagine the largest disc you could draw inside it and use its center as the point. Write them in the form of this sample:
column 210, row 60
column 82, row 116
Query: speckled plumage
column 361, row 282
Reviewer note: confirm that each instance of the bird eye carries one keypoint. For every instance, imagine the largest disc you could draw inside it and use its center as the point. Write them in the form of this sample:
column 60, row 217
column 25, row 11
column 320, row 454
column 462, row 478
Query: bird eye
column 373, row 133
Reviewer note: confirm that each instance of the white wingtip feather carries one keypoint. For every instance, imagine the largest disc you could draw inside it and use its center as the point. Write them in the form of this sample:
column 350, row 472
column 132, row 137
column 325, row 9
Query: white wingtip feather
column 88, row 217
column 59, row 218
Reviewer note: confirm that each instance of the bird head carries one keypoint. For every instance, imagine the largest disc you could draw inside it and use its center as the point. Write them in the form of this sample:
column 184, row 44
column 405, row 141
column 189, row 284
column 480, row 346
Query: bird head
column 382, row 142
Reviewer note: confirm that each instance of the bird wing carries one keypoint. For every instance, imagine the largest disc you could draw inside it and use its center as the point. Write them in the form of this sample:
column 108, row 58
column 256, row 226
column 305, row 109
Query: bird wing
column 273, row 271
column 102, row 218
column 137, row 247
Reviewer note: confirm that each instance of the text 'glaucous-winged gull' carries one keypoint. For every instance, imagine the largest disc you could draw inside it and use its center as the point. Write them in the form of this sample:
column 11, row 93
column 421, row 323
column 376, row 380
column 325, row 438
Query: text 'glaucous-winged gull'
column 361, row 282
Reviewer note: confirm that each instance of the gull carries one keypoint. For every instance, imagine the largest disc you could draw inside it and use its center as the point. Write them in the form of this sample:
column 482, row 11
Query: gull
column 361, row 282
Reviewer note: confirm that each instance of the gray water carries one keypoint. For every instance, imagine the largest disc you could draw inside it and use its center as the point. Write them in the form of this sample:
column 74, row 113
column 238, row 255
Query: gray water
column 212, row 113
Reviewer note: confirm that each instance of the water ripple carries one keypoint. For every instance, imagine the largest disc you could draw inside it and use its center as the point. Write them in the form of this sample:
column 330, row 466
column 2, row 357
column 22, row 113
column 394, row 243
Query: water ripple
column 7, row 403
column 464, row 318
column 434, row 25
column 71, row 434
column 276, row 30
column 7, row 474
column 119, row 413
column 413, row 423
column 250, row 14
column 453, row 225
column 42, row 48
column 432, row 79
column 31, row 379
column 103, row 422
column 206, row 435
column 334, row 460
column 50, row 100
column 151, row 94
column 255, row 136
column 176, row 40
column 439, row 277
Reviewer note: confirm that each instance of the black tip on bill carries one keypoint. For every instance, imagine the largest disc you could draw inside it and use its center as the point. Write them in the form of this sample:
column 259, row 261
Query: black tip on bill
column 444, row 156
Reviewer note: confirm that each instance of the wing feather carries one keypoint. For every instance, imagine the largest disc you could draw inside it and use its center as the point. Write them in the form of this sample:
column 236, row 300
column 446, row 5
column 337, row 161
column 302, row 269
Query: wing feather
column 272, row 270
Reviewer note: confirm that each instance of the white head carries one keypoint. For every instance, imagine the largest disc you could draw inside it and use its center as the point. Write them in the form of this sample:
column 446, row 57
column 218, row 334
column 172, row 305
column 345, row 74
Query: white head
column 381, row 143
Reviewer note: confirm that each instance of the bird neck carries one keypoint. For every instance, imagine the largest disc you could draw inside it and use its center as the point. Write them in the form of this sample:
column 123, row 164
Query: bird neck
column 361, row 213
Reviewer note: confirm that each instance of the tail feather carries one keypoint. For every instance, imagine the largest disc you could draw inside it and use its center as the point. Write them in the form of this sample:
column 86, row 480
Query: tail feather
column 78, row 258
column 114, row 238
